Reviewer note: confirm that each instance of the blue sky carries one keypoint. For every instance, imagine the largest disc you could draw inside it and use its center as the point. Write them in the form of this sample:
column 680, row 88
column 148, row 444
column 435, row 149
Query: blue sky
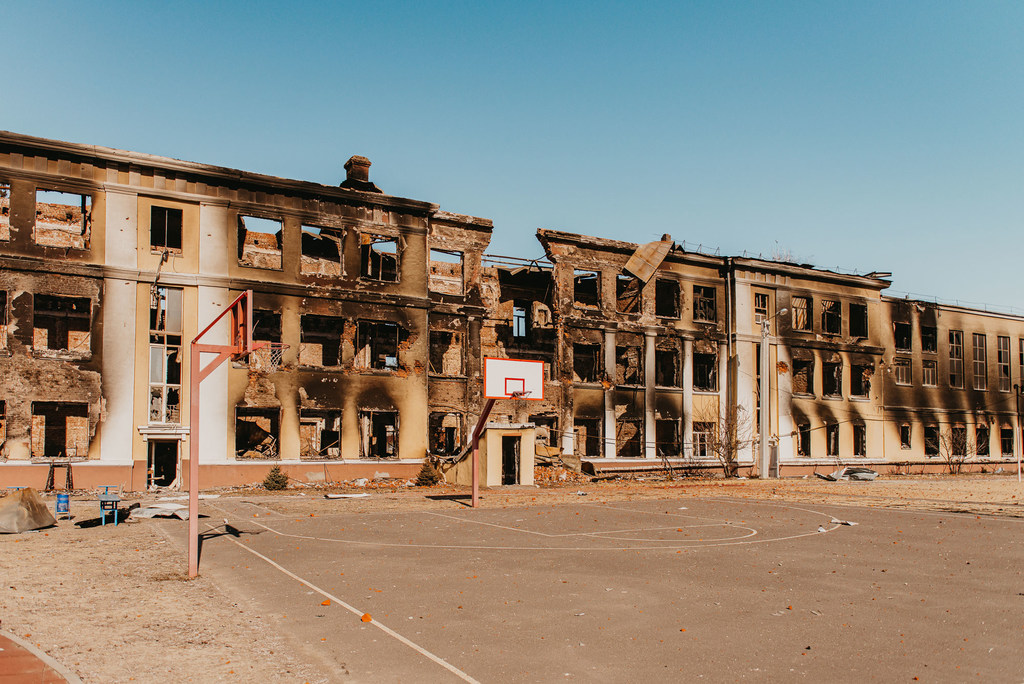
column 860, row 135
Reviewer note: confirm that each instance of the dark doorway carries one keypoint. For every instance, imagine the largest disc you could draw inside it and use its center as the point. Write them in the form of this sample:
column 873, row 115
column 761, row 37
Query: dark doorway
column 510, row 460
column 162, row 468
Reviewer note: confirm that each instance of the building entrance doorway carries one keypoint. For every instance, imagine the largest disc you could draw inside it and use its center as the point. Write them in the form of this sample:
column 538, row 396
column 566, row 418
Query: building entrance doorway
column 162, row 465
column 510, row 460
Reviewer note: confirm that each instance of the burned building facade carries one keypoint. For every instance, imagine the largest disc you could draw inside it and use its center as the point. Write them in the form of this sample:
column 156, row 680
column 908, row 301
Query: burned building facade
column 373, row 314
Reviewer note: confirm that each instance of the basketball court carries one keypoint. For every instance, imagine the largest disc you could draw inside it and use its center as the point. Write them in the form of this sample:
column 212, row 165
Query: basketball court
column 689, row 588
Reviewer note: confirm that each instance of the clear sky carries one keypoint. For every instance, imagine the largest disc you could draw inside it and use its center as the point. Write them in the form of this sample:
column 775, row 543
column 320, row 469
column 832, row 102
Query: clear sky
column 863, row 135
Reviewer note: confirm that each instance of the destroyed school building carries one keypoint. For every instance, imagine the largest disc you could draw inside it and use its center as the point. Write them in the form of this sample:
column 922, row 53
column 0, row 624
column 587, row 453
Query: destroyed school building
column 381, row 309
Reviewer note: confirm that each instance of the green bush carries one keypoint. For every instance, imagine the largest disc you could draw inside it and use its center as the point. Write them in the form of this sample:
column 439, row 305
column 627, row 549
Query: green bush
column 275, row 479
column 428, row 475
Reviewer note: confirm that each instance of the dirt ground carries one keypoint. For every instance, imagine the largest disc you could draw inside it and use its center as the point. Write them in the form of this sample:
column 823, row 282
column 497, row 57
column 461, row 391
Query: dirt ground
column 113, row 603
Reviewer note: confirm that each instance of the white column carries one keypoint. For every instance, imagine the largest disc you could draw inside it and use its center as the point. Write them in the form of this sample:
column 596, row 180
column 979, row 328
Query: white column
column 118, row 370
column 650, row 432
column 216, row 415
column 609, row 449
column 688, row 398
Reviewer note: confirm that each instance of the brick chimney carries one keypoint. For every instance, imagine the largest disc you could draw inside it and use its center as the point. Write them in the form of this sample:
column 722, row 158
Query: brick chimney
column 357, row 172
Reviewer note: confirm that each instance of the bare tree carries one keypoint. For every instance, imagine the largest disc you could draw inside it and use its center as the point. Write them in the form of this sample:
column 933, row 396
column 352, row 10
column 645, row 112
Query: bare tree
column 722, row 437
column 955, row 448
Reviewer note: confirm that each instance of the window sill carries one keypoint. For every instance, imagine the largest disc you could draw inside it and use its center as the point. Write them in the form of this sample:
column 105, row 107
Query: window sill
column 279, row 269
column 60, row 354
column 704, row 391
column 863, row 398
column 442, row 376
column 833, row 397
column 367, row 279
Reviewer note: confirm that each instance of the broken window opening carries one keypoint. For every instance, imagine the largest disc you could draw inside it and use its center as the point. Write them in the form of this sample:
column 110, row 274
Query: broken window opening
column 1003, row 361
column 445, row 433
column 257, row 431
column 628, row 438
column 378, row 256
column 901, row 336
column 860, row 440
column 858, row 320
column 666, row 368
column 165, row 355
column 445, row 272
column 59, row 429
column 832, row 439
column 320, row 340
column 831, row 317
column 905, row 436
column 377, row 345
column 586, row 289
column 320, row 434
column 666, row 437
column 1006, row 441
column 803, row 439
column 832, row 379
column 931, row 440
column 629, row 365
column 321, row 251
column 981, row 440
column 547, row 428
column 445, row 352
column 62, row 324
column 5, row 211
column 958, row 440
column 586, row 362
column 519, row 321
column 63, row 219
column 165, row 229
column 588, row 437
column 627, row 294
column 666, row 298
column 929, row 338
column 860, row 379
column 703, row 439
column 801, row 313
column 803, row 376
column 378, row 434
column 929, row 373
column 956, row 359
column 705, row 372
column 704, row 308
column 760, row 307
column 259, row 242
column 980, row 362
column 266, row 327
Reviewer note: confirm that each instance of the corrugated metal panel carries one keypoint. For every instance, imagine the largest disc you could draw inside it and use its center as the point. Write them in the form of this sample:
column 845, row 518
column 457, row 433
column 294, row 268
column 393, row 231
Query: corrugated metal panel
column 647, row 258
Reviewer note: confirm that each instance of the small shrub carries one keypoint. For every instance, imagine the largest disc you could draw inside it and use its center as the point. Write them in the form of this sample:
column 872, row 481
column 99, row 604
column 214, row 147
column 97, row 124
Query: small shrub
column 428, row 475
column 275, row 479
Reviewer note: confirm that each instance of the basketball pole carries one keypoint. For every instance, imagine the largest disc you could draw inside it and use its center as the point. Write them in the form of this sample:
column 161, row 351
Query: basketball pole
column 240, row 311
column 476, row 449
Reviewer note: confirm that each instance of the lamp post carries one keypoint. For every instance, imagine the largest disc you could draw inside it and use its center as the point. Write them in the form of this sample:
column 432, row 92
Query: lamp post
column 763, row 389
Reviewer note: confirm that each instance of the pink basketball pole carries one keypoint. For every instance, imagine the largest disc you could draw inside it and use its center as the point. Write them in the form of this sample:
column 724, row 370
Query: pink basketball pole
column 240, row 312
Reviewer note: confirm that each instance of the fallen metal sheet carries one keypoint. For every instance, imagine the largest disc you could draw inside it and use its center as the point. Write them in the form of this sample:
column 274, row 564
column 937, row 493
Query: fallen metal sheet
column 23, row 511
column 855, row 473
column 647, row 258
column 161, row 510
column 345, row 496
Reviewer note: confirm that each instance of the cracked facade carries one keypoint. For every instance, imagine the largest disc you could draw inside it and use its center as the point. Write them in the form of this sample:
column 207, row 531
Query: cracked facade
column 379, row 310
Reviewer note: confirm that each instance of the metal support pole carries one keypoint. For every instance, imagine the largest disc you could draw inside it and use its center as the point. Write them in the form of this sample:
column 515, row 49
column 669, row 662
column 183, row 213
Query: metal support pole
column 193, row 463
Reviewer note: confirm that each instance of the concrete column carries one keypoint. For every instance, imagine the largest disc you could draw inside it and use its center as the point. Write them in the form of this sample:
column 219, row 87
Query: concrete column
column 723, row 385
column 117, row 431
column 688, row 398
column 650, row 433
column 215, row 414
column 609, row 450
column 122, row 231
column 784, row 403
column 214, row 231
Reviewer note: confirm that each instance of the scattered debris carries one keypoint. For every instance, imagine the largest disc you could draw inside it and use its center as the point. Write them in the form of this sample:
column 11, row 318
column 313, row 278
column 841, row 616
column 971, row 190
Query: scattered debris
column 850, row 473
column 346, row 496
column 836, row 521
column 23, row 511
column 161, row 510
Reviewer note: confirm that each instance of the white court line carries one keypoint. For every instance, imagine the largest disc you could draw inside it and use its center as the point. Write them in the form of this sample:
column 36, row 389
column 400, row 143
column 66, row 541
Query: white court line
column 355, row 611
column 569, row 534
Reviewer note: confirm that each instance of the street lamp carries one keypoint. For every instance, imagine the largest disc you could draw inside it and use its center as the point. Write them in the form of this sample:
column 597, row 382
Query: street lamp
column 763, row 388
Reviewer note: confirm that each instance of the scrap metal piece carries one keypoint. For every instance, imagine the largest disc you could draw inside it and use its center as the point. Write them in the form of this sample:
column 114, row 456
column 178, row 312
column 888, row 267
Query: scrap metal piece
column 647, row 258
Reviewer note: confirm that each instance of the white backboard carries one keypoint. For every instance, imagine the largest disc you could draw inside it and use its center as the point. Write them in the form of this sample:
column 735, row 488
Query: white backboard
column 505, row 377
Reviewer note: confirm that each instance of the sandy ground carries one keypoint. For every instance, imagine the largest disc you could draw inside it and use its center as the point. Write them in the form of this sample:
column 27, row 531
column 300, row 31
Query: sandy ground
column 113, row 604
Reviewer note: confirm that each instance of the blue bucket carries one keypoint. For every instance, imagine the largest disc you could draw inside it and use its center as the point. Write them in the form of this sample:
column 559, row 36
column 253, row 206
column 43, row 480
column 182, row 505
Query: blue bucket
column 63, row 504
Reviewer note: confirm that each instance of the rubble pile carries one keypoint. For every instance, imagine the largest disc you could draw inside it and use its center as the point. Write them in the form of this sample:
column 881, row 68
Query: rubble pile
column 547, row 476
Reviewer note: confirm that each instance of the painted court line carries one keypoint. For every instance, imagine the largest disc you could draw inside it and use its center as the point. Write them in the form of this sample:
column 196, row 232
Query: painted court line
column 355, row 611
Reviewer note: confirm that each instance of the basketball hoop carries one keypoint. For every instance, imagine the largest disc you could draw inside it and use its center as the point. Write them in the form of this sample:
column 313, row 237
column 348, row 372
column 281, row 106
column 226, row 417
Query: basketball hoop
column 519, row 400
column 266, row 358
